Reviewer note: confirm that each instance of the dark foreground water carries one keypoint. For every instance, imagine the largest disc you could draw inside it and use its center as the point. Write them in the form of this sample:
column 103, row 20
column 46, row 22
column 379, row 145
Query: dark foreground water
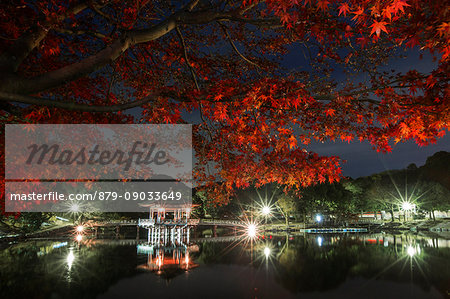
column 310, row 266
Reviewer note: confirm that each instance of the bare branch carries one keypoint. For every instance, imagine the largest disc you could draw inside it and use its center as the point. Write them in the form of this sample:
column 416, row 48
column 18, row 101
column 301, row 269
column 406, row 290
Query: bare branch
column 7, row 38
column 224, row 28
column 194, row 78
column 80, row 32
column 245, row 9
column 8, row 97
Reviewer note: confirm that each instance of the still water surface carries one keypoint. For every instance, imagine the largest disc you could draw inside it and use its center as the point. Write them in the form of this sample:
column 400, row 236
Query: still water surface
column 304, row 266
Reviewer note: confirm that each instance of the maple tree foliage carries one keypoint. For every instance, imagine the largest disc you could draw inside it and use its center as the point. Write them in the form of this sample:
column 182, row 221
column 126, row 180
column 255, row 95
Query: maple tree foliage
column 218, row 65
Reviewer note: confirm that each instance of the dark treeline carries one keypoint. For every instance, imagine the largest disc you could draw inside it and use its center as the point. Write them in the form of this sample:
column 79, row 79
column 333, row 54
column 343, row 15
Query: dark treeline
column 427, row 187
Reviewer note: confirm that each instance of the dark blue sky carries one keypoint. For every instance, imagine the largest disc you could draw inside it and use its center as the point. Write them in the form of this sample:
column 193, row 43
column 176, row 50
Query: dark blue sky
column 362, row 160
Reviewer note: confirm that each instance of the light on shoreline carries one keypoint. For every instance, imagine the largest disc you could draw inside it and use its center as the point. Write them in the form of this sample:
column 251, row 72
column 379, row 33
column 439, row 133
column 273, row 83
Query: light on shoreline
column 251, row 230
column 266, row 210
column 411, row 251
column 75, row 208
column 407, row 206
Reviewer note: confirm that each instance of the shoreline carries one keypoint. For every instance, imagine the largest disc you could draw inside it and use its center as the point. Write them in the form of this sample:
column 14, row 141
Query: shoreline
column 439, row 228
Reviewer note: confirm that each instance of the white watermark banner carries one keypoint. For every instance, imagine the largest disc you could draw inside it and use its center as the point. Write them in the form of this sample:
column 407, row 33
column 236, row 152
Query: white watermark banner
column 110, row 168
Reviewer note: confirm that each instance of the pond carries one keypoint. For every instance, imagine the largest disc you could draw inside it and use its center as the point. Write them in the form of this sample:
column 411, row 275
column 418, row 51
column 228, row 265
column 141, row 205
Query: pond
column 295, row 266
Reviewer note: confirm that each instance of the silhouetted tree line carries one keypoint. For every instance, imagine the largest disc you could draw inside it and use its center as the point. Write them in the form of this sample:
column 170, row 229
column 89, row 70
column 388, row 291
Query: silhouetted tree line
column 427, row 187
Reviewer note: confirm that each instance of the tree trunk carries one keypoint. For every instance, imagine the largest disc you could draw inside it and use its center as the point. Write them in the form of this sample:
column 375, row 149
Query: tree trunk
column 392, row 214
column 395, row 244
column 434, row 216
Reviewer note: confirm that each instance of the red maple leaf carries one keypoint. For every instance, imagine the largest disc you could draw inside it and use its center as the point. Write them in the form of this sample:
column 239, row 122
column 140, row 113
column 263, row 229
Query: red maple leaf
column 344, row 9
column 377, row 27
column 323, row 4
column 330, row 112
column 398, row 5
column 292, row 142
column 357, row 13
column 387, row 12
column 444, row 29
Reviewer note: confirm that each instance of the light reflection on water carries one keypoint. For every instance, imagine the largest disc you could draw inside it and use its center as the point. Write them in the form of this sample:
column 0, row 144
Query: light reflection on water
column 306, row 266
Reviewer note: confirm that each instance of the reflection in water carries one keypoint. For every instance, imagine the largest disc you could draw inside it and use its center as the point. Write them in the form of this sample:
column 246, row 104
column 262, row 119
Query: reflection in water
column 332, row 260
column 167, row 251
column 322, row 266
column 319, row 241
column 70, row 258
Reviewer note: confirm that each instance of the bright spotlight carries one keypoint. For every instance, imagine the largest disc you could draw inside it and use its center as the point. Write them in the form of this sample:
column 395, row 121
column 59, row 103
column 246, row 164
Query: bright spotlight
column 411, row 251
column 80, row 228
column 267, row 252
column 266, row 210
column 79, row 238
column 318, row 218
column 75, row 208
column 251, row 230
column 406, row 206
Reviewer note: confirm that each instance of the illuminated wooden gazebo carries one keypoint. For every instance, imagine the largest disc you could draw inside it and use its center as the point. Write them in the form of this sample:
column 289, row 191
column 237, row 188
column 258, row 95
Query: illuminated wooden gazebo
column 166, row 214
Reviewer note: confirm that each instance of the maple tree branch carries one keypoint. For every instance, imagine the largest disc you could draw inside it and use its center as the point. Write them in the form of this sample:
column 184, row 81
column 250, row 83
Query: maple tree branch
column 224, row 28
column 80, row 32
column 8, row 97
column 24, row 99
column 108, row 17
column 183, row 44
column 249, row 7
column 19, row 85
column 108, row 94
column 11, row 59
column 190, row 6
column 204, row 121
column 105, row 56
column 7, row 38
column 268, row 23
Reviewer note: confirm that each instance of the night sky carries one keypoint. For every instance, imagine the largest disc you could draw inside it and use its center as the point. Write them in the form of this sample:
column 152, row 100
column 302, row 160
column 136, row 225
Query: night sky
column 362, row 160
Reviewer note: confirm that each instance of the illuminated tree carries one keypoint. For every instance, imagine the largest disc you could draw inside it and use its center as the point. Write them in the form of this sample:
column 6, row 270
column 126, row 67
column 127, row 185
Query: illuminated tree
column 435, row 197
column 382, row 195
column 288, row 205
